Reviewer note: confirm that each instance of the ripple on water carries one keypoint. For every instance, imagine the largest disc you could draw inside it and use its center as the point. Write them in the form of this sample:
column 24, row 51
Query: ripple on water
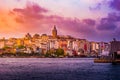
column 57, row 69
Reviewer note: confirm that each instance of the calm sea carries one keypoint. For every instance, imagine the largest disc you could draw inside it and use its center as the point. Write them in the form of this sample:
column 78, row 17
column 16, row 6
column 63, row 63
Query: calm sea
column 57, row 69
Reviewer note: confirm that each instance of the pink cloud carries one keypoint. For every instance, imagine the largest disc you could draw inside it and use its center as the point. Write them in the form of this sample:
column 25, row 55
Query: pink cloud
column 35, row 19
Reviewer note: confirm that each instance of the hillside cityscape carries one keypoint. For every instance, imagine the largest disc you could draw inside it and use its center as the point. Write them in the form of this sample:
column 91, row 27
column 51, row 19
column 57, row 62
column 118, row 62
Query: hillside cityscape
column 53, row 45
column 59, row 39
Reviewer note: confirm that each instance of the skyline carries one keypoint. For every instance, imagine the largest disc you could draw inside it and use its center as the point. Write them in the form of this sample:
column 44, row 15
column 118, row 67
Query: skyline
column 96, row 20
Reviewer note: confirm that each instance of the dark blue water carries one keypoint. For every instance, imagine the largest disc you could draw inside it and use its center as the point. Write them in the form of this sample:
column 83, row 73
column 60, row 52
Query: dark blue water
column 56, row 69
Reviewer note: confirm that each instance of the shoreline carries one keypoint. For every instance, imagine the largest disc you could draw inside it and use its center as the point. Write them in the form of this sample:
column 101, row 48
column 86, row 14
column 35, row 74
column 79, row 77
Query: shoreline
column 45, row 57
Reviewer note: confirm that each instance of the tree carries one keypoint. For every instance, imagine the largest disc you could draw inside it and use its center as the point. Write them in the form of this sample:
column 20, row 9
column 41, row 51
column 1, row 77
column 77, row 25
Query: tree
column 48, row 53
column 59, row 52
column 21, row 47
column 6, row 47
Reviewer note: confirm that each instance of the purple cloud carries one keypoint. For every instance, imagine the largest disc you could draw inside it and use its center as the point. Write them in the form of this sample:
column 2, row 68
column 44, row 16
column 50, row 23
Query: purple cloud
column 32, row 10
column 108, row 23
column 107, row 26
column 114, row 17
column 89, row 21
column 96, row 7
column 33, row 19
column 115, row 4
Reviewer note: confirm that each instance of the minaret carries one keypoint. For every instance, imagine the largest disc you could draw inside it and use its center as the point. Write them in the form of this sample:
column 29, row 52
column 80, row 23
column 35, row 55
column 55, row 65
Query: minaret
column 54, row 32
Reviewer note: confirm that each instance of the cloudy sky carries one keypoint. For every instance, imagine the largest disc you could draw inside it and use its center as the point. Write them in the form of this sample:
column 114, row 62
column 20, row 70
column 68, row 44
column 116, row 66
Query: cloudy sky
column 96, row 20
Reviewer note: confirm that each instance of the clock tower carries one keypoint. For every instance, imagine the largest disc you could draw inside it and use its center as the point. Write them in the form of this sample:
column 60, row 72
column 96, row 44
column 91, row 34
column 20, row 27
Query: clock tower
column 54, row 32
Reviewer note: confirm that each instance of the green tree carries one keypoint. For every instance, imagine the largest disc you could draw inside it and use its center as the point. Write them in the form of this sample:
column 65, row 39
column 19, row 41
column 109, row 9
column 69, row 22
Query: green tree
column 59, row 52
column 21, row 46
column 6, row 47
column 48, row 53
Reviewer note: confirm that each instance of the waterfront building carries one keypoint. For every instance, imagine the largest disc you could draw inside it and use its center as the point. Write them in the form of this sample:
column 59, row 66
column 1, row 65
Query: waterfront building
column 36, row 36
column 70, row 44
column 28, row 50
column 2, row 43
column 95, row 48
column 9, row 43
column 75, row 45
column 19, row 42
column 27, row 42
column 37, row 50
column 44, row 37
column 63, row 44
column 36, row 42
column 54, row 41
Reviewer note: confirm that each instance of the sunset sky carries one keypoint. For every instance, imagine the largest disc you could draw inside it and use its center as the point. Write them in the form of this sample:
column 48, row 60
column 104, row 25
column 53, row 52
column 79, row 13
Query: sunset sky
column 96, row 20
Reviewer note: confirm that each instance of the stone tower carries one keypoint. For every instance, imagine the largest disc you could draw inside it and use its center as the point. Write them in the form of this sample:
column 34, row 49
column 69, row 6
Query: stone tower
column 54, row 32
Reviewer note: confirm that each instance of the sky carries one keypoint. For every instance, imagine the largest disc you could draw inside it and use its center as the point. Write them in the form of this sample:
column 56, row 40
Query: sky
column 94, row 20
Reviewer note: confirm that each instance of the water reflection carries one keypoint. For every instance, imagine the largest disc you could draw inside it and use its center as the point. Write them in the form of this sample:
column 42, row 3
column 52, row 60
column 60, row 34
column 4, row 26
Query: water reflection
column 57, row 69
